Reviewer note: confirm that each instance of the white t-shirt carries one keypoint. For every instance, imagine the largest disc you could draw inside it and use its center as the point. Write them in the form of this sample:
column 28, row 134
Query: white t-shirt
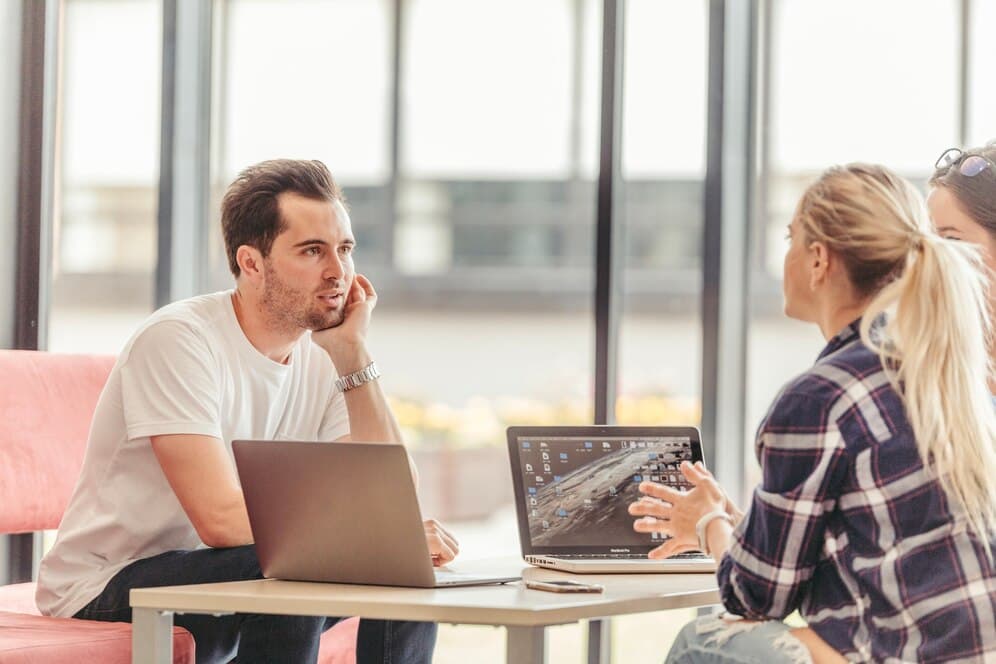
column 188, row 370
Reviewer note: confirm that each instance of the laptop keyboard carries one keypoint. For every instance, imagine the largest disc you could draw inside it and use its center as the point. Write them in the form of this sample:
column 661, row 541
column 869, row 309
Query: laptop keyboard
column 690, row 555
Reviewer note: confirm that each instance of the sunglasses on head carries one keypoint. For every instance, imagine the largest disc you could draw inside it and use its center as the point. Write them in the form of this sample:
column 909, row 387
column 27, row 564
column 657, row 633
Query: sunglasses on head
column 968, row 165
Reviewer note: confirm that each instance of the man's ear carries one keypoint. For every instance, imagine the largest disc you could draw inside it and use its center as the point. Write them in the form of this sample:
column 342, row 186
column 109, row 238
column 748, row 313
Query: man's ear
column 819, row 264
column 250, row 262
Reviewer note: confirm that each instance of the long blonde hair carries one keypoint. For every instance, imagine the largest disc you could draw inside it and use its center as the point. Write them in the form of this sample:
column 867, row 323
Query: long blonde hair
column 933, row 296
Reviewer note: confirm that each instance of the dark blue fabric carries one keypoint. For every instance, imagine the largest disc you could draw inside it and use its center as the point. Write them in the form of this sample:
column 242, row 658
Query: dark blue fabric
column 251, row 637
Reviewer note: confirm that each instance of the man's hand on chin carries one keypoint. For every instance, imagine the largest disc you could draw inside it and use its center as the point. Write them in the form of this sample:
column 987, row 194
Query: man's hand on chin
column 346, row 342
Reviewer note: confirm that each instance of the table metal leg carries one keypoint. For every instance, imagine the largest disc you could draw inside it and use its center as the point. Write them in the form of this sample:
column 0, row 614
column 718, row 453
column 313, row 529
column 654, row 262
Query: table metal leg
column 151, row 636
column 600, row 641
column 525, row 645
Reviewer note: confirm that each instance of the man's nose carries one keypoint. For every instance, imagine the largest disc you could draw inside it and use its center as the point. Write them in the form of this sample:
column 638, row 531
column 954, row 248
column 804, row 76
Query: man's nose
column 334, row 269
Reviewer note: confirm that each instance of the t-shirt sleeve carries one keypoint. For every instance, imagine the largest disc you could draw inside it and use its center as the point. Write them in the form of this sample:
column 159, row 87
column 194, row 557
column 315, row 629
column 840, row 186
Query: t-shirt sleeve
column 335, row 422
column 169, row 383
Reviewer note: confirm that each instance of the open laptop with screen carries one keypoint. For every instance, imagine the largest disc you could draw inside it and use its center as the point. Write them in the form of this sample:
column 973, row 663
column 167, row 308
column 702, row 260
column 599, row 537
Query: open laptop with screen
column 340, row 513
column 573, row 487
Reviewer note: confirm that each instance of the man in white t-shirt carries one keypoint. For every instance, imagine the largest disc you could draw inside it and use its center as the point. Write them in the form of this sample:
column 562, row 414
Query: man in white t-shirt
column 283, row 356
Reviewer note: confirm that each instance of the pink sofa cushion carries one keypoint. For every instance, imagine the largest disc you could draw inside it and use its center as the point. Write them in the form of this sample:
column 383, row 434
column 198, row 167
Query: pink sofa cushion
column 338, row 644
column 46, row 404
column 19, row 598
column 28, row 639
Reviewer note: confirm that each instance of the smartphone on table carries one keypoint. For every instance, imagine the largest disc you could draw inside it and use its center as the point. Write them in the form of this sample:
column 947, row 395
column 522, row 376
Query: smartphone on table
column 565, row 586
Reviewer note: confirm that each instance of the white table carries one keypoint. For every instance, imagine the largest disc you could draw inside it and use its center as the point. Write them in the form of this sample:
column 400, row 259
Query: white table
column 525, row 613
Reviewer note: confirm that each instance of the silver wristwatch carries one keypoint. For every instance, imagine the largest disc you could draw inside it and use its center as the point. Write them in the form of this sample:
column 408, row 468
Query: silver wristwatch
column 357, row 378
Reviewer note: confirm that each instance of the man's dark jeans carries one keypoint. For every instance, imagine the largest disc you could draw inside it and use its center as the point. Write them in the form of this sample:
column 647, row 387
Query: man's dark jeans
column 251, row 637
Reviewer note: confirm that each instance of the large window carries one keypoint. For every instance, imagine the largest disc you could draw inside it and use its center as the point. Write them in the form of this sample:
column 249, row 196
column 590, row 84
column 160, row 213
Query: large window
column 466, row 137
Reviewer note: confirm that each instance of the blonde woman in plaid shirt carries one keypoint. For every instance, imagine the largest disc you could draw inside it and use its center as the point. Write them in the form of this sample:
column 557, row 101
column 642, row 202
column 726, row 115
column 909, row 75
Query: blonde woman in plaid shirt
column 876, row 514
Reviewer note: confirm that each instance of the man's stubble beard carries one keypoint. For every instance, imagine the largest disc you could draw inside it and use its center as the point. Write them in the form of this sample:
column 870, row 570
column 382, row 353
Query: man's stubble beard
column 292, row 309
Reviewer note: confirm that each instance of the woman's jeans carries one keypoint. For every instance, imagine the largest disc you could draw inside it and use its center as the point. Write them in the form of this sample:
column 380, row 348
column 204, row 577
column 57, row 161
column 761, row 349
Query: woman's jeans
column 724, row 639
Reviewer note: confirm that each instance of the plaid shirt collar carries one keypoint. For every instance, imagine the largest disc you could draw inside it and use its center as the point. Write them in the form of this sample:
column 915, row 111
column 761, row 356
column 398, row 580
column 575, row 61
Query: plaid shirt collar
column 843, row 338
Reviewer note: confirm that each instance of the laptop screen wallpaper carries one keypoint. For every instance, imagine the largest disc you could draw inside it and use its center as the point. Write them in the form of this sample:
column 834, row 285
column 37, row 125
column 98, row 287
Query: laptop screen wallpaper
column 577, row 490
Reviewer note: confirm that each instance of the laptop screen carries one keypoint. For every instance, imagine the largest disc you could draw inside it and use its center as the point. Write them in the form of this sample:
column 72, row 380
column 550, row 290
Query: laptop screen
column 573, row 485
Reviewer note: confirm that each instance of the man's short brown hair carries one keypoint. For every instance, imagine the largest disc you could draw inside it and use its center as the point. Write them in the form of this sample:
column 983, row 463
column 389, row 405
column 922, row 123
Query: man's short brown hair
column 250, row 214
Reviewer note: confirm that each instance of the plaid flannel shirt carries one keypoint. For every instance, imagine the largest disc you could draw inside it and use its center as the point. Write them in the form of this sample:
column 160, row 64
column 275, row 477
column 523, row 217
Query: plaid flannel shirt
column 851, row 529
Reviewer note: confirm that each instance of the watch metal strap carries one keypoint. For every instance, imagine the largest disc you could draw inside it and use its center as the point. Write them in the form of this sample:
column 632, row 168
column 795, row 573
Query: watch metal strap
column 351, row 381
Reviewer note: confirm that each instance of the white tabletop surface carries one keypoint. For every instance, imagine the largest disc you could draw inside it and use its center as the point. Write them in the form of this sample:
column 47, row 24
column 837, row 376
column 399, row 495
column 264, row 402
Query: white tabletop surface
column 509, row 604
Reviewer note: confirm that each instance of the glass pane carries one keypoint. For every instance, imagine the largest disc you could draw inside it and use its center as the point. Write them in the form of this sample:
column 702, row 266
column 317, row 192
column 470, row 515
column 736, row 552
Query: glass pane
column 487, row 312
column 104, row 240
column 981, row 91
column 320, row 90
column 493, row 96
column 664, row 142
column 830, row 105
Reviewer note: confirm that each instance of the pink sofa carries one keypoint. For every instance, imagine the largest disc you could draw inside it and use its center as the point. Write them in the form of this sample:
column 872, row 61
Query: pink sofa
column 46, row 404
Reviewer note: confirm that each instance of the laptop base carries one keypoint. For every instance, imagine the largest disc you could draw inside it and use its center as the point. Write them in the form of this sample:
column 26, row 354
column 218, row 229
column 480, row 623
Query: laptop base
column 447, row 579
column 689, row 565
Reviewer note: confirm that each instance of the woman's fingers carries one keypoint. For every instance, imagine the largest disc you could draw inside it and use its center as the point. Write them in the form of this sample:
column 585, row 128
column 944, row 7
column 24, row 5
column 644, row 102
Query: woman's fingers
column 650, row 507
column 668, row 549
column 661, row 491
column 649, row 524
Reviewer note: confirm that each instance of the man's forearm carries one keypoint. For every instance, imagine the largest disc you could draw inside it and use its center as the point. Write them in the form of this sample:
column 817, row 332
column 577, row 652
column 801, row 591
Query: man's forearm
column 370, row 416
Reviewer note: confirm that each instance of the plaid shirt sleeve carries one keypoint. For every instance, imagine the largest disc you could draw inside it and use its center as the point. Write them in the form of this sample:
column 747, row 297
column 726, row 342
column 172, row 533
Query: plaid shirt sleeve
column 765, row 572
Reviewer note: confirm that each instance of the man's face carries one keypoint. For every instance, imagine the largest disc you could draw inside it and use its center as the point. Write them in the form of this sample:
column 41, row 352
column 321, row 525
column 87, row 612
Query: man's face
column 309, row 271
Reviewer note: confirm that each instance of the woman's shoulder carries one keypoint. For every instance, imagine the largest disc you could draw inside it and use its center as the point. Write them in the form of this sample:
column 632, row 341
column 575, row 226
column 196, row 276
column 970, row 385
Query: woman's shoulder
column 848, row 393
column 843, row 377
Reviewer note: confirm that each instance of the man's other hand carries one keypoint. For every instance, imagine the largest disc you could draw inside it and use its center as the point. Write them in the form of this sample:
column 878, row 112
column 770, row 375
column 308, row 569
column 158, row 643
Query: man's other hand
column 442, row 545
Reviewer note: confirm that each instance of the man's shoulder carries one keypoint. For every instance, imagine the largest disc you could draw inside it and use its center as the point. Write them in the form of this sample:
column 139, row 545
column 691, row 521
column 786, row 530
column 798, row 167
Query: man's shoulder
column 200, row 308
column 193, row 320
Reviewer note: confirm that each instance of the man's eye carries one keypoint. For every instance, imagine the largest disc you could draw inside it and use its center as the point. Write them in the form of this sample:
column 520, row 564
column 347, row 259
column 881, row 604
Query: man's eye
column 313, row 251
column 346, row 248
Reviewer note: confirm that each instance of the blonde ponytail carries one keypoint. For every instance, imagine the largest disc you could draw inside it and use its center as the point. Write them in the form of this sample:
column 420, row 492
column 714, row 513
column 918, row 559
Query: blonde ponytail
column 933, row 296
column 935, row 346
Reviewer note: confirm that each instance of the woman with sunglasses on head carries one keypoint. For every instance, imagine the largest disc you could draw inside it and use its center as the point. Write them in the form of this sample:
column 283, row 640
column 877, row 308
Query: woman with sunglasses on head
column 876, row 514
column 962, row 204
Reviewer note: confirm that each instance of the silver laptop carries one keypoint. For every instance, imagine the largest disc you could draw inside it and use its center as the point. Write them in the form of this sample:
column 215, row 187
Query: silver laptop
column 573, row 487
column 340, row 513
